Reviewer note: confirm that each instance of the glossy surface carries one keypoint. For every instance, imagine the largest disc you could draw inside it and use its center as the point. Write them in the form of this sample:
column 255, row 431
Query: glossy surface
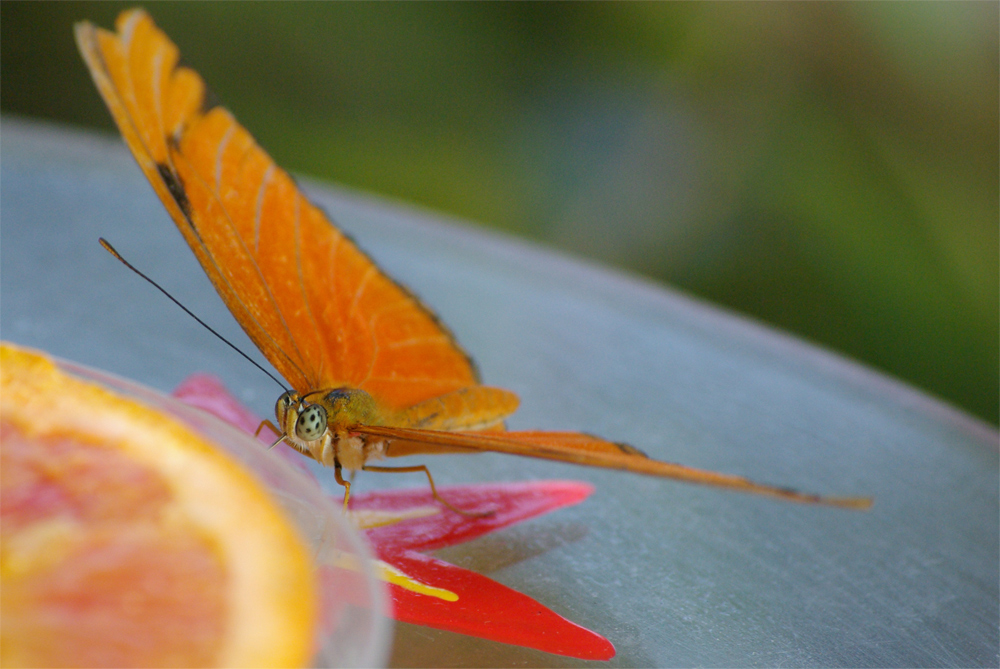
column 671, row 574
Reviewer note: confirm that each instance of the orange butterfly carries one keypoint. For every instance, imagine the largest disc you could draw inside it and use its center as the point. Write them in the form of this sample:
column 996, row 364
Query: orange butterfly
column 374, row 373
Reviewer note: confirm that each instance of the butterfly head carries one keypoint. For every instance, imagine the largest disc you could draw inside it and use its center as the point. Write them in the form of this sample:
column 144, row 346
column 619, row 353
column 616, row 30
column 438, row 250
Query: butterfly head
column 320, row 424
column 307, row 418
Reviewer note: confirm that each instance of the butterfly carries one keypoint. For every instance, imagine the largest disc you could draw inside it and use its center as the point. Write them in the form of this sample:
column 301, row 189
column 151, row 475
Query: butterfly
column 373, row 373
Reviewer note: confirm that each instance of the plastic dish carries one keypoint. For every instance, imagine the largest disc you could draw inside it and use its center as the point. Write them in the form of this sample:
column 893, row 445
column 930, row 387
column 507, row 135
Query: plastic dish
column 352, row 630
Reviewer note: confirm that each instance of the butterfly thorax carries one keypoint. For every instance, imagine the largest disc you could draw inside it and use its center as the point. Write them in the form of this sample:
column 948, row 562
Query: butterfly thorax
column 320, row 423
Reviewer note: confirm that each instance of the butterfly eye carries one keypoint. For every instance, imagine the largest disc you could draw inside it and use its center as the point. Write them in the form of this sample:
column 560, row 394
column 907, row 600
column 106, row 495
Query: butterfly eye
column 311, row 423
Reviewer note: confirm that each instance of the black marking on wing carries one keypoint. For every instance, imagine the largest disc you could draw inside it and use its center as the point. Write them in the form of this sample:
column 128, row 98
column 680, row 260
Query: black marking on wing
column 176, row 189
column 798, row 493
column 628, row 449
column 209, row 100
column 427, row 420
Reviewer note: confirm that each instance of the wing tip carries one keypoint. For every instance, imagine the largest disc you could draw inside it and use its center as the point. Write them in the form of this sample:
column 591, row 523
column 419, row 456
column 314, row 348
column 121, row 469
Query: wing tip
column 854, row 503
column 84, row 33
column 792, row 495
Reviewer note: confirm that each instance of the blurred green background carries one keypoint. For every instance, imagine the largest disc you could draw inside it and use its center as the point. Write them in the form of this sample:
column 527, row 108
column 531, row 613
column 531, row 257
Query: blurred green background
column 830, row 168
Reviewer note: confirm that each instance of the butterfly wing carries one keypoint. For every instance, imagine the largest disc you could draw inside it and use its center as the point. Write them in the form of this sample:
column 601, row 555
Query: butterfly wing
column 319, row 309
column 316, row 306
column 582, row 449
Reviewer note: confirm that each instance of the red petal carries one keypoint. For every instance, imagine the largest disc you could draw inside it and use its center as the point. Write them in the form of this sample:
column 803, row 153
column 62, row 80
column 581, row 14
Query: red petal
column 508, row 503
column 490, row 610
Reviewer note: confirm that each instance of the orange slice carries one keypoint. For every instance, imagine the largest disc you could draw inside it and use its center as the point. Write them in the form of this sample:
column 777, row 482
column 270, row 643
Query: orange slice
column 128, row 540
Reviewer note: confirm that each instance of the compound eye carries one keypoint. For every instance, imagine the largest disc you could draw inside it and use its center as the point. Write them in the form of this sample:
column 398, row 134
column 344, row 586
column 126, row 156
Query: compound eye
column 311, row 423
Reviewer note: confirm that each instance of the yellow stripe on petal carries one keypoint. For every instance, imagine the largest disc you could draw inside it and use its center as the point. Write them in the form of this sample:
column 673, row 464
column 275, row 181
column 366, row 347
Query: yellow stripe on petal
column 391, row 574
column 367, row 519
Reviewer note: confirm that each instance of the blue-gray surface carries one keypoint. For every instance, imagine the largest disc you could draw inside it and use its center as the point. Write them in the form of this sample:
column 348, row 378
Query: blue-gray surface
column 673, row 574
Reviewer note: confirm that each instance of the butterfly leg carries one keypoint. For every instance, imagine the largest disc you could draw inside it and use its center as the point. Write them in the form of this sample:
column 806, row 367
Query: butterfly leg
column 280, row 439
column 268, row 424
column 430, row 479
column 341, row 481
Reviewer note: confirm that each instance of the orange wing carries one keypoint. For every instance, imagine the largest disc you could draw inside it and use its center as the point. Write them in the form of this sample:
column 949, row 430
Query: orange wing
column 316, row 306
column 582, row 449
column 320, row 310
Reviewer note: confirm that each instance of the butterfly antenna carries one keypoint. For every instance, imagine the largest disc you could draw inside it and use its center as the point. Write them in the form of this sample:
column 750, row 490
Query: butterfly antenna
column 110, row 249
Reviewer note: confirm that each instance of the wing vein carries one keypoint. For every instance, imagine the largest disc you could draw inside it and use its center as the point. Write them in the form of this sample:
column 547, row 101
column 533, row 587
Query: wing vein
column 221, row 149
column 249, row 316
column 369, row 273
column 321, row 372
column 259, row 209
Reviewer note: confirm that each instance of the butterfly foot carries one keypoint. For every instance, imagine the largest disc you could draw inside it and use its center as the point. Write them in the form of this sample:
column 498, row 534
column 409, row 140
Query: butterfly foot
column 468, row 514
column 347, row 485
